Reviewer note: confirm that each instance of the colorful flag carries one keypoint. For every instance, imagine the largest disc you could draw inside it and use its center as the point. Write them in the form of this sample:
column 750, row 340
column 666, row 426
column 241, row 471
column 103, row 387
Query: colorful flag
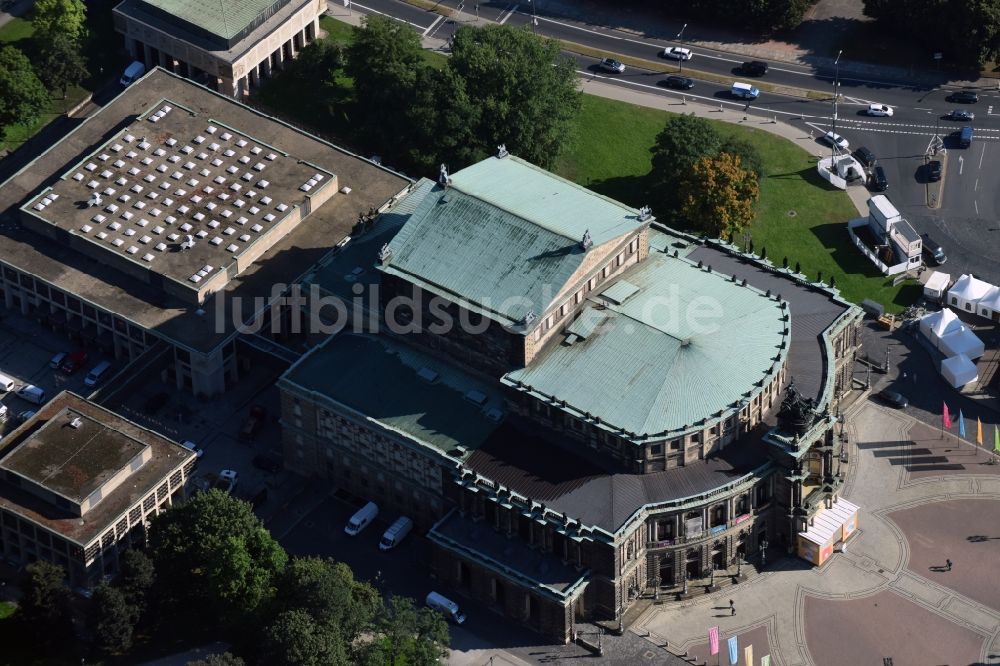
column 765, row 660
column 946, row 417
column 713, row 640
column 734, row 656
column 979, row 432
column 748, row 655
column 996, row 439
column 961, row 424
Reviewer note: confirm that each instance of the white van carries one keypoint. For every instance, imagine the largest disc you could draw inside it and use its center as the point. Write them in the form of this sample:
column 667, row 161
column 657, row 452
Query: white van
column 97, row 373
column 744, row 91
column 396, row 533
column 361, row 519
column 132, row 73
column 6, row 383
column 445, row 605
column 32, row 393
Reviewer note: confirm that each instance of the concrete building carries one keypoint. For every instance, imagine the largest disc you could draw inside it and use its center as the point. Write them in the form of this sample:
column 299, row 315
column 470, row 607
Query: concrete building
column 172, row 217
column 228, row 44
column 581, row 403
column 78, row 484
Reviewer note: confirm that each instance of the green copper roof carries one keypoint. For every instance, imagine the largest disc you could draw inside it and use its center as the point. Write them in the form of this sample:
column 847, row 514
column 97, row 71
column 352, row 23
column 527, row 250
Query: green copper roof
column 505, row 237
column 403, row 389
column 225, row 18
column 686, row 346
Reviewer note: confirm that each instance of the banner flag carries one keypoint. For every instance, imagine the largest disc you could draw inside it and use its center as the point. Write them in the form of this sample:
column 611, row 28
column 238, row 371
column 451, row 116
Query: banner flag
column 765, row 660
column 961, row 424
column 996, row 439
column 979, row 432
column 946, row 417
column 713, row 640
column 733, row 651
column 748, row 655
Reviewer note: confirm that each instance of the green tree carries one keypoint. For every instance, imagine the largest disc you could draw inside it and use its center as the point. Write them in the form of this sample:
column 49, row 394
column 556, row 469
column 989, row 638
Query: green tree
column 761, row 15
column 719, row 196
column 328, row 592
column 44, row 607
column 224, row 659
column 750, row 158
column 112, row 619
column 684, row 140
column 966, row 32
column 23, row 98
column 443, row 123
column 66, row 17
column 213, row 556
column 525, row 89
column 318, row 61
column 296, row 639
column 61, row 63
column 136, row 578
column 408, row 635
column 384, row 61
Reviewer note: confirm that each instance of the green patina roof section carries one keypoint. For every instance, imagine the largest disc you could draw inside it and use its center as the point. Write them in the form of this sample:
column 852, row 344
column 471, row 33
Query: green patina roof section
column 225, row 18
column 688, row 345
column 378, row 378
column 505, row 236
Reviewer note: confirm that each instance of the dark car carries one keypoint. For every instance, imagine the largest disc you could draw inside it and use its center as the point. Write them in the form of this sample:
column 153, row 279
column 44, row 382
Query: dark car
column 253, row 423
column 878, row 182
column 678, row 82
column 897, row 400
column 865, row 156
column 754, row 68
column 268, row 463
column 73, row 362
column 960, row 114
column 934, row 170
column 932, row 250
column 964, row 97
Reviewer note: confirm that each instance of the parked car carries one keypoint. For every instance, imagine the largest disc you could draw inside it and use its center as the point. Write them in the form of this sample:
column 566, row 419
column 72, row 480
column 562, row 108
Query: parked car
column 676, row 53
column 268, row 463
column 74, row 362
column 611, row 65
column 880, row 110
column 865, row 156
column 57, row 360
column 228, row 478
column 934, row 170
column 932, row 250
column 893, row 398
column 191, row 446
column 960, row 114
column 965, row 137
column 964, row 97
column 833, row 139
column 678, row 82
column 754, row 68
column 878, row 182
column 253, row 423
column 25, row 415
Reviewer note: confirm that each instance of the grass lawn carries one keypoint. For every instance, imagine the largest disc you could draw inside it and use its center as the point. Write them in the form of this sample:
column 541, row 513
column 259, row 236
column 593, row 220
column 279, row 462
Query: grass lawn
column 610, row 154
column 6, row 609
column 14, row 31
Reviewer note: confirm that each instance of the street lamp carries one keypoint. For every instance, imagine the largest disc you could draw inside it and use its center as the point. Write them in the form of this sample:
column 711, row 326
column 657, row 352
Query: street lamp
column 836, row 94
column 763, row 552
column 681, row 31
column 534, row 19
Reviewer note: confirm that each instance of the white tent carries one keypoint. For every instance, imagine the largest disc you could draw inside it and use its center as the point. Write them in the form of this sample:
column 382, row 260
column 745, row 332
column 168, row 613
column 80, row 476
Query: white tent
column 961, row 341
column 938, row 324
column 958, row 370
column 989, row 305
column 967, row 292
column 936, row 285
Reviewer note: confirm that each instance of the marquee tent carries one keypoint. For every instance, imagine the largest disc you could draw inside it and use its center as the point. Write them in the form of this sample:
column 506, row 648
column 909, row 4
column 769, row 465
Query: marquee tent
column 958, row 370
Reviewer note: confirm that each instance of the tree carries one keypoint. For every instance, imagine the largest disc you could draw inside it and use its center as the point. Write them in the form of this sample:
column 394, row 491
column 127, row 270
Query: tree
column 213, row 556
column 720, row 196
column 23, row 98
column 407, row 635
column 318, row 61
column 224, row 659
column 136, row 578
column 750, row 158
column 44, row 608
column 443, row 123
column 384, row 61
column 328, row 592
column 526, row 91
column 966, row 32
column 296, row 639
column 112, row 619
column 65, row 17
column 762, row 15
column 684, row 140
column 61, row 63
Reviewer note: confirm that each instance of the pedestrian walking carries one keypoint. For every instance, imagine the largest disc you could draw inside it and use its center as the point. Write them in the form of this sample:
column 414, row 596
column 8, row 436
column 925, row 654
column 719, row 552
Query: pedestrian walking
column 732, row 607
column 947, row 564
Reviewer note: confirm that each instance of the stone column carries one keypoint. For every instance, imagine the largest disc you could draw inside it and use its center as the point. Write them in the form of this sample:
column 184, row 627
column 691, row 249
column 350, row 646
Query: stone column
column 147, row 55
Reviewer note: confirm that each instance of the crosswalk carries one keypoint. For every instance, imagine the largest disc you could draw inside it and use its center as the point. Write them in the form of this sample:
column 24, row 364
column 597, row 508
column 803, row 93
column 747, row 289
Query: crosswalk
column 913, row 129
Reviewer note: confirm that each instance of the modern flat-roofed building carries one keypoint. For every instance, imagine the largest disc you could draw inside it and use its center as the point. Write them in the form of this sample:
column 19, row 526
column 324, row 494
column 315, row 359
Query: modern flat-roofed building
column 231, row 43
column 587, row 406
column 172, row 215
column 79, row 483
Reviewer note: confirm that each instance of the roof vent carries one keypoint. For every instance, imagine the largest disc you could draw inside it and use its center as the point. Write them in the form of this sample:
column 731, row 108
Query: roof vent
column 494, row 414
column 427, row 375
column 476, row 397
column 502, row 151
column 76, row 423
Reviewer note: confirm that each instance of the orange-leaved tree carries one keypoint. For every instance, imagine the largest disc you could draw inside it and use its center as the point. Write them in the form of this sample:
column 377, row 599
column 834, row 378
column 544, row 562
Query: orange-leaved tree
column 719, row 196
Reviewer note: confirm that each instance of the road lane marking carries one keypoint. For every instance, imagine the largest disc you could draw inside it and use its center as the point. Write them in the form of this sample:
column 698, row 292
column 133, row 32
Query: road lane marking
column 436, row 21
column 509, row 14
column 981, row 156
column 975, row 188
column 977, row 207
column 920, row 108
column 375, row 11
column 961, row 163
